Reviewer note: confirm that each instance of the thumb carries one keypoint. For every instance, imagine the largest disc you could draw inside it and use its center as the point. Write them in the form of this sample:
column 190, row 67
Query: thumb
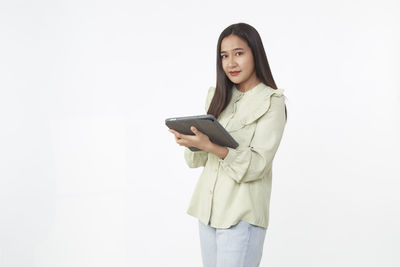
column 194, row 130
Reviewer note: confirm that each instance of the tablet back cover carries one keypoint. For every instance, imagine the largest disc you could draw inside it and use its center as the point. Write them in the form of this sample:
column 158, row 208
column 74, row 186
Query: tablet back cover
column 206, row 124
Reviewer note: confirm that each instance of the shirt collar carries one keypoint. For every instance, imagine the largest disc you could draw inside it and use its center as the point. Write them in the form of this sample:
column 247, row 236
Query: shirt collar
column 259, row 88
column 253, row 90
column 259, row 103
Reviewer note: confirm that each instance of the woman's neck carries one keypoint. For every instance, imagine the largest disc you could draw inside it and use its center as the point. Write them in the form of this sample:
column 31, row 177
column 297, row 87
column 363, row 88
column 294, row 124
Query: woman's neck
column 249, row 84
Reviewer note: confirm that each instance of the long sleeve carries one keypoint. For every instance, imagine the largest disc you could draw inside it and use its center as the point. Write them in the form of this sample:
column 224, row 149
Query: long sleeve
column 252, row 162
column 195, row 159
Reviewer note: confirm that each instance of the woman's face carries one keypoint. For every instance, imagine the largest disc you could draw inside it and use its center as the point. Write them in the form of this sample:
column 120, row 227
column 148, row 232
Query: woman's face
column 236, row 56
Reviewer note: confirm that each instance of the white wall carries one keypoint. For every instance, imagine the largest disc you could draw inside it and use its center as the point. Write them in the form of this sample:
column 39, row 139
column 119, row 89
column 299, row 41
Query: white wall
column 90, row 176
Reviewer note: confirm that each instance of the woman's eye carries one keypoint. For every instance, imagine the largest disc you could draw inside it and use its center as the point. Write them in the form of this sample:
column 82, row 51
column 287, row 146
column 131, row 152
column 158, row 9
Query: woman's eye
column 222, row 56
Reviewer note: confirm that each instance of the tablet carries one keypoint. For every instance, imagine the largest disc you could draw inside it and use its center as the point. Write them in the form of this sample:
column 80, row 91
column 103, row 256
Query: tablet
column 206, row 124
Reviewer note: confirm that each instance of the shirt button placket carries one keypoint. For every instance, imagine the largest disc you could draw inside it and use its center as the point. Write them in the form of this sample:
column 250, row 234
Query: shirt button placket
column 215, row 169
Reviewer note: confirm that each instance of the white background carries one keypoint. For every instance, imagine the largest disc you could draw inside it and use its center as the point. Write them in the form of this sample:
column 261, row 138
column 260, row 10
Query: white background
column 90, row 176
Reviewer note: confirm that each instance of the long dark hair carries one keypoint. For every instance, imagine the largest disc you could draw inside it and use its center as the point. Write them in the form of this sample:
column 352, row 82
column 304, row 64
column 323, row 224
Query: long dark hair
column 223, row 89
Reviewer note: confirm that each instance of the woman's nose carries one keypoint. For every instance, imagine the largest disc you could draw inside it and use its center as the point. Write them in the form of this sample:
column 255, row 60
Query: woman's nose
column 231, row 62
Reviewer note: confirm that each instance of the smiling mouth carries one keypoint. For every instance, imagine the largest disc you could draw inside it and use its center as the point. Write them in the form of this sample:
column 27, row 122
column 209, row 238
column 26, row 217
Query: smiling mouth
column 234, row 73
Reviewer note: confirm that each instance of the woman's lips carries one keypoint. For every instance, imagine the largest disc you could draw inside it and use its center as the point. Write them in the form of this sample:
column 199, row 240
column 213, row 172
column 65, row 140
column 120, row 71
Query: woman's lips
column 234, row 73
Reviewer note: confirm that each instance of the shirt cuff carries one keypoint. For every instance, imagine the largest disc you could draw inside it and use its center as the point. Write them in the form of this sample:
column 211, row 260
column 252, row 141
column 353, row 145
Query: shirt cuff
column 230, row 157
column 196, row 151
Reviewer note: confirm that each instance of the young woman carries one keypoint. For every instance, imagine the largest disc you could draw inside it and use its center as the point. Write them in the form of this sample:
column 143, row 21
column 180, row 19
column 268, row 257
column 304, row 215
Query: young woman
column 232, row 195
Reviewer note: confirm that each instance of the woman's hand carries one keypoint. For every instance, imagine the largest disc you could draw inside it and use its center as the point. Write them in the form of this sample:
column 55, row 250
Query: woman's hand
column 199, row 140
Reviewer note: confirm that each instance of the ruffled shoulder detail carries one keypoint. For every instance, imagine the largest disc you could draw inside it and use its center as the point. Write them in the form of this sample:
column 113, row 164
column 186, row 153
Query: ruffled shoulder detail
column 257, row 106
column 278, row 91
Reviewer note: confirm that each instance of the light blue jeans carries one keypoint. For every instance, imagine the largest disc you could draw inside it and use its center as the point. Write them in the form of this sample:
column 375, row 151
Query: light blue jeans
column 241, row 245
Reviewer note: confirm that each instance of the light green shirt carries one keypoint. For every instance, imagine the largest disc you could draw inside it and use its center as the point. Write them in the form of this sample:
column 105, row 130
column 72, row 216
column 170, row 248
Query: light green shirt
column 239, row 186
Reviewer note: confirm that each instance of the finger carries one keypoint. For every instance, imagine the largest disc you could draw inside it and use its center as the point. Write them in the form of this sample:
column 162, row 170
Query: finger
column 178, row 135
column 181, row 142
column 194, row 130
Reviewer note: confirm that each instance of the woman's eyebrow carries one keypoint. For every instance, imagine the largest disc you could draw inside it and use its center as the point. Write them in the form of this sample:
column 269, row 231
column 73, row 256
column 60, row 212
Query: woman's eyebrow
column 238, row 48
